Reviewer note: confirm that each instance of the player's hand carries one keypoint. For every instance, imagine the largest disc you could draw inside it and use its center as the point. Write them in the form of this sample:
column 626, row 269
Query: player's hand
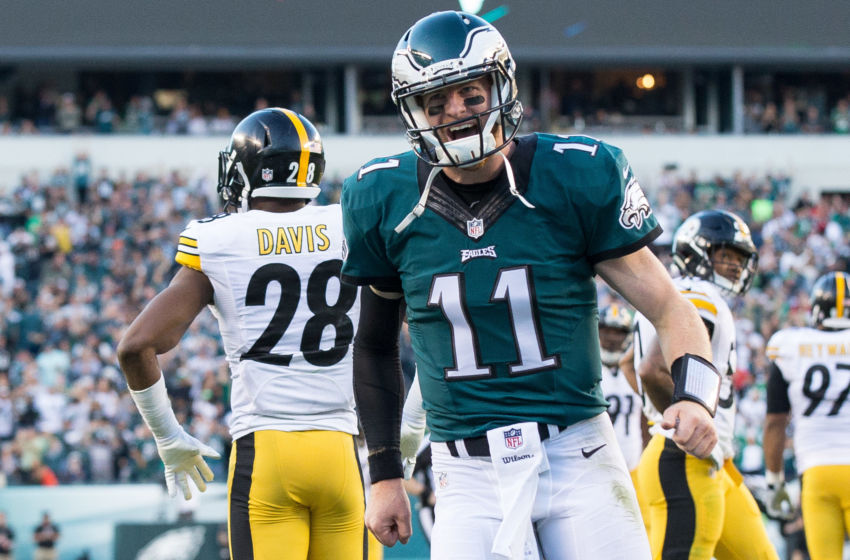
column 411, row 439
column 778, row 502
column 183, row 457
column 694, row 428
column 388, row 512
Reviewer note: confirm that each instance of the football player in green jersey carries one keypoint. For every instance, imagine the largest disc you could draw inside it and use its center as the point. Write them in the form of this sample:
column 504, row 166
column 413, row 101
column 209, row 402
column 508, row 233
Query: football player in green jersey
column 489, row 244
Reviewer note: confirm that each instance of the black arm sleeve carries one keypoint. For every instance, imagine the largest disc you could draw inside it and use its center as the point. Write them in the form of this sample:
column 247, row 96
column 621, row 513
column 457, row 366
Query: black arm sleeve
column 379, row 383
column 777, row 391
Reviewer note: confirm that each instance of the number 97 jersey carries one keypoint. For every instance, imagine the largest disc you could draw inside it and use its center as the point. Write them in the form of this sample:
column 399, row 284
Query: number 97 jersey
column 286, row 320
column 815, row 366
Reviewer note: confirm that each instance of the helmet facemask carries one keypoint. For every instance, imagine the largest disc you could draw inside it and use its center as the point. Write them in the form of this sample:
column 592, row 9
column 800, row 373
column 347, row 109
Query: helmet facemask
column 614, row 320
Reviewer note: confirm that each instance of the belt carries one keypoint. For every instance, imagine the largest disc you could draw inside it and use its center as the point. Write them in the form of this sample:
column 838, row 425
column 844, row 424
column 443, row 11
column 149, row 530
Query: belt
column 478, row 447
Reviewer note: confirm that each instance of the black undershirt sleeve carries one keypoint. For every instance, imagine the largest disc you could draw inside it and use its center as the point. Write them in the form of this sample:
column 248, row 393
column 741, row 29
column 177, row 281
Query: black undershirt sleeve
column 379, row 383
column 777, row 391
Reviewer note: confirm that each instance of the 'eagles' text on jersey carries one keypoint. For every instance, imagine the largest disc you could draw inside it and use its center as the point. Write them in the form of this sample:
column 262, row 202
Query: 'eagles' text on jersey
column 286, row 320
column 715, row 313
column 815, row 365
column 501, row 300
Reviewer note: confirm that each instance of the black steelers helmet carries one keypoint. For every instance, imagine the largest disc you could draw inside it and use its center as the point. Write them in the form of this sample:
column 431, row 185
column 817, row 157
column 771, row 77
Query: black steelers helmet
column 618, row 317
column 831, row 302
column 702, row 233
column 273, row 153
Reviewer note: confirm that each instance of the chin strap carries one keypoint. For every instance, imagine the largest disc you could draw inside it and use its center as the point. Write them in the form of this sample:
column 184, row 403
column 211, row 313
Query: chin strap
column 420, row 206
column 512, row 181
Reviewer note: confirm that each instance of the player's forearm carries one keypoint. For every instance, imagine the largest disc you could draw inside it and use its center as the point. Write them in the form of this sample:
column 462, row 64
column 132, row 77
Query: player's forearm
column 681, row 331
column 139, row 365
column 774, row 441
column 379, row 383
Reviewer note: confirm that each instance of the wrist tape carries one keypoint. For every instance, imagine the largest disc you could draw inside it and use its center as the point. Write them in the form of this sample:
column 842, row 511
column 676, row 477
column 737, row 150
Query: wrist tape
column 156, row 411
column 774, row 479
column 696, row 379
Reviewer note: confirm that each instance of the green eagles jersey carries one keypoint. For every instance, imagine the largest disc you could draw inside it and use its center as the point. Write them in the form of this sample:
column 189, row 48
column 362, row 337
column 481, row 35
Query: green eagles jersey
column 501, row 300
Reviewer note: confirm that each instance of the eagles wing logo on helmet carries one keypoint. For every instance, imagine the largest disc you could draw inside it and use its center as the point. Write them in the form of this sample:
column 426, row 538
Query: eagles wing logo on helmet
column 635, row 206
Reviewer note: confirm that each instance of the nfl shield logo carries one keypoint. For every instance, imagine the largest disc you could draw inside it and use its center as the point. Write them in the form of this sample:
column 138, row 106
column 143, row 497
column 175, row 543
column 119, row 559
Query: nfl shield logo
column 267, row 174
column 475, row 228
column 513, row 438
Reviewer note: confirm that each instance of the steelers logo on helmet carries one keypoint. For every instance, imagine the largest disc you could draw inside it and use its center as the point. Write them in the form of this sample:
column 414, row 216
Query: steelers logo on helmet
column 831, row 302
column 274, row 153
column 446, row 49
column 703, row 233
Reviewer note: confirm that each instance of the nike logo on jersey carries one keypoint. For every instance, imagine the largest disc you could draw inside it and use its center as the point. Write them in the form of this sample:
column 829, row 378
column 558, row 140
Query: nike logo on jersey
column 587, row 453
column 467, row 254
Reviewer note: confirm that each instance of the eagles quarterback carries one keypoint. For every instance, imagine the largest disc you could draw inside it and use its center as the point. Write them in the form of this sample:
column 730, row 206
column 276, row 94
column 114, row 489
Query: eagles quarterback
column 698, row 507
column 808, row 381
column 269, row 272
column 488, row 243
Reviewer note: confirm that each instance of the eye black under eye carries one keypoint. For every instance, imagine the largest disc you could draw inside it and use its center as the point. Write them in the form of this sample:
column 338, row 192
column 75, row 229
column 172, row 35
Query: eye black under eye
column 474, row 100
column 435, row 110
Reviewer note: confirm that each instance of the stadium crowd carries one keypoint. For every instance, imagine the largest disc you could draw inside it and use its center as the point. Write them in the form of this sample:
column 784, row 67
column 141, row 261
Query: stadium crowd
column 81, row 255
column 767, row 110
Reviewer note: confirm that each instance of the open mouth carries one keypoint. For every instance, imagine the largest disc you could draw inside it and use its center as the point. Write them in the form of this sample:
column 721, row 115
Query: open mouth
column 462, row 130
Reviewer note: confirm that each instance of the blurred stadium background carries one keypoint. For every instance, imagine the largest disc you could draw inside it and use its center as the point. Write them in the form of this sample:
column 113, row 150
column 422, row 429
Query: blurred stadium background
column 112, row 115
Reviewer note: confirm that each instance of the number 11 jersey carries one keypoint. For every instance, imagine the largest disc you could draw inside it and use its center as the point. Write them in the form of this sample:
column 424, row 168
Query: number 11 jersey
column 286, row 320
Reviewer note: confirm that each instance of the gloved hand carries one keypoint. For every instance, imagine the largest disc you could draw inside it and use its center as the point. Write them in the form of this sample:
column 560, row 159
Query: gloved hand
column 182, row 455
column 778, row 502
column 412, row 427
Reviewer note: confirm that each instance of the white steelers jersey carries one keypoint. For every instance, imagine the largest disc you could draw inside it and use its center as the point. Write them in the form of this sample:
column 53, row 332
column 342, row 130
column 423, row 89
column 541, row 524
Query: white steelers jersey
column 816, row 366
column 715, row 312
column 624, row 408
column 286, row 320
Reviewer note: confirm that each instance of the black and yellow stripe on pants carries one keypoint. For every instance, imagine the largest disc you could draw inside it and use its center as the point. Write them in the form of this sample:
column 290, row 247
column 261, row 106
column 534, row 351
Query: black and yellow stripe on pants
column 697, row 512
column 295, row 495
column 825, row 498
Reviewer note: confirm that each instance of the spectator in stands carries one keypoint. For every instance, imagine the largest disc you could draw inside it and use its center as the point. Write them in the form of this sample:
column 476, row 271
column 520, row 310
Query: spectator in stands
column 69, row 116
column 46, row 537
column 7, row 538
column 840, row 116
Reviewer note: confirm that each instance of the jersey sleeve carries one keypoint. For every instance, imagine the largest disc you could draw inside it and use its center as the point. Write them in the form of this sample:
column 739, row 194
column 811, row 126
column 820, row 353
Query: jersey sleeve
column 619, row 217
column 366, row 260
column 187, row 247
column 706, row 308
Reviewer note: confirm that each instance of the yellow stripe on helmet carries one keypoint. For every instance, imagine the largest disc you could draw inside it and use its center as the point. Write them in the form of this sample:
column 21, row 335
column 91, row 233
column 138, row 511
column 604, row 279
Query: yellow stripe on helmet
column 304, row 160
column 840, row 287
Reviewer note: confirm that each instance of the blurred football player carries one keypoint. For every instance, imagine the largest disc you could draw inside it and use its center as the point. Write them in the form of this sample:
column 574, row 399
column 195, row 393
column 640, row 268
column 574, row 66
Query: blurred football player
column 809, row 381
column 489, row 243
column 615, row 333
column 270, row 274
column 698, row 507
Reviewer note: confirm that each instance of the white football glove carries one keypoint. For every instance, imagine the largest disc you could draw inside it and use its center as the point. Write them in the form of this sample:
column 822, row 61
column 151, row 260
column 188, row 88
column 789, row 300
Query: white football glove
column 777, row 501
column 181, row 453
column 412, row 427
column 183, row 457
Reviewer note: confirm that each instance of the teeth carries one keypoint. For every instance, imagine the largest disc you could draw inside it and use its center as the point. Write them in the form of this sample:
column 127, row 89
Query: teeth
column 461, row 127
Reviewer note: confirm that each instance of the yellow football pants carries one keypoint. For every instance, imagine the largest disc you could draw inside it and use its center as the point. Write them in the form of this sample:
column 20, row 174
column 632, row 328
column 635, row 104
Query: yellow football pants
column 697, row 512
column 825, row 497
column 295, row 496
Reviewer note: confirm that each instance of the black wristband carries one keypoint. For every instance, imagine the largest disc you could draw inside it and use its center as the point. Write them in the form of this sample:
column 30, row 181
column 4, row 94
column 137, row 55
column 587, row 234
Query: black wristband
column 385, row 464
column 696, row 379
